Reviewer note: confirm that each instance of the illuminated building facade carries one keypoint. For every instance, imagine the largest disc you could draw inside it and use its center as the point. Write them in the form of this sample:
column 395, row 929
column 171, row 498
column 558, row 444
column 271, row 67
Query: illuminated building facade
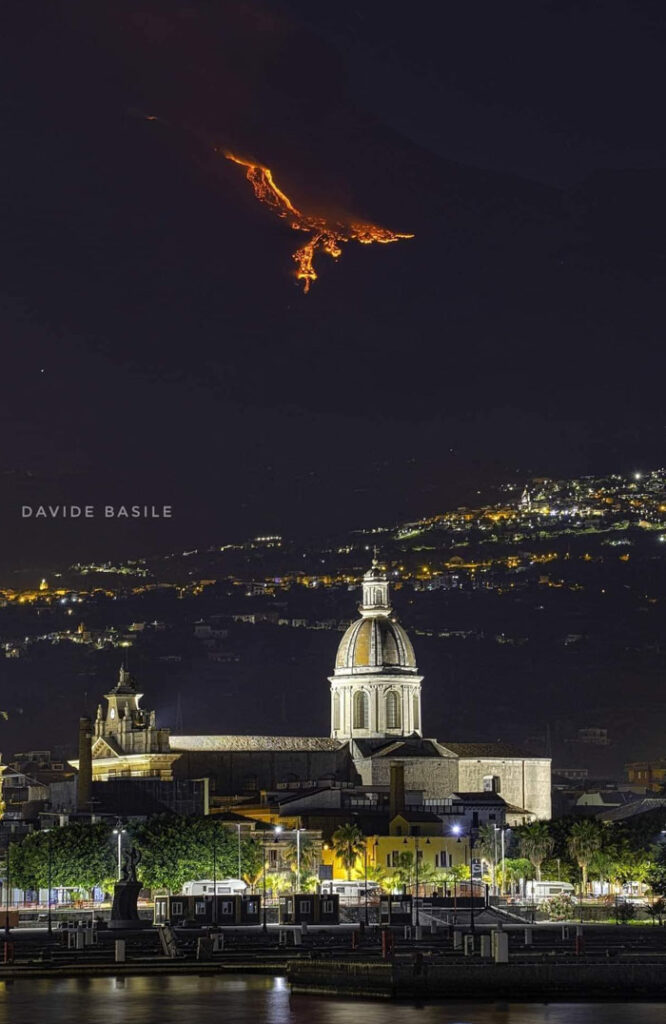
column 375, row 723
column 375, row 688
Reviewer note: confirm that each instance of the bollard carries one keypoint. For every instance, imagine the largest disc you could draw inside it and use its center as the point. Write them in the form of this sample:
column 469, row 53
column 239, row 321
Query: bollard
column 418, row 931
column 387, row 943
column 297, row 936
column 80, row 939
column 565, row 931
column 486, row 946
column 9, row 953
column 528, row 936
column 457, row 939
column 120, row 951
column 433, row 927
column 468, row 947
column 501, row 948
column 354, row 940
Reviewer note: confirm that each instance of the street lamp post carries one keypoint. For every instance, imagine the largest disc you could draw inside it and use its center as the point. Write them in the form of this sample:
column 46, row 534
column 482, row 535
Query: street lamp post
column 214, row 907
column 457, row 830
column 298, row 860
column 276, row 832
column 365, row 876
column 495, row 860
column 8, row 884
column 120, row 832
column 49, row 879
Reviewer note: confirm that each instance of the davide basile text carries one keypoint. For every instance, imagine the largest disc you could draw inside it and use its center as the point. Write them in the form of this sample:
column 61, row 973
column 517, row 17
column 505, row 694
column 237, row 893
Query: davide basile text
column 96, row 511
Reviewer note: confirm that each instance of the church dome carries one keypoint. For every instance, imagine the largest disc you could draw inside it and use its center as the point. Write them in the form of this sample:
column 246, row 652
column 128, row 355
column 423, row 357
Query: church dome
column 375, row 643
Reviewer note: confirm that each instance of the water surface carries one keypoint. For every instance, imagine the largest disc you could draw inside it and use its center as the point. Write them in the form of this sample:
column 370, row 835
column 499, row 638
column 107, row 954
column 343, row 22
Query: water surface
column 259, row 1000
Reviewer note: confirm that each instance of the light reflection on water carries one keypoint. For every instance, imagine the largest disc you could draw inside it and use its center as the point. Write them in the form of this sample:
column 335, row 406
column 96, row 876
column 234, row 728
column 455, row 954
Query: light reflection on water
column 258, row 1000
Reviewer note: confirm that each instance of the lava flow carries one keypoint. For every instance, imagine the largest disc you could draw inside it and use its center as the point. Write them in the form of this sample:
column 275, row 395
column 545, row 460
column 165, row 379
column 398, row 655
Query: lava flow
column 326, row 236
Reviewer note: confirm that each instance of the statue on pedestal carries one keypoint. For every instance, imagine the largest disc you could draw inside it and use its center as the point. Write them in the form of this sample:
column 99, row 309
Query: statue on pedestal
column 124, row 913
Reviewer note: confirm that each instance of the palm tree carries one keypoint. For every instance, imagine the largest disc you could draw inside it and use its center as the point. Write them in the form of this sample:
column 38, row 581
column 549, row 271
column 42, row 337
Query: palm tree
column 585, row 838
column 348, row 845
column 536, row 843
column 309, row 858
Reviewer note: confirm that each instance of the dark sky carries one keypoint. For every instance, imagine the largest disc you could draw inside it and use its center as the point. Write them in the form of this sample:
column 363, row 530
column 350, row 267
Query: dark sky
column 155, row 345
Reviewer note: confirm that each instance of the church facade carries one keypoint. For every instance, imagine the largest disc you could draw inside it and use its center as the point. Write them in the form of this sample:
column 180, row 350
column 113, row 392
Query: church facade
column 375, row 722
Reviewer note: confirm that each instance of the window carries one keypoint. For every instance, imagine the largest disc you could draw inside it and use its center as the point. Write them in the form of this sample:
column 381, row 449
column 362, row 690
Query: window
column 306, row 907
column 227, row 907
column 327, row 906
column 361, row 710
column 392, row 710
column 200, row 908
column 177, row 908
column 416, row 710
column 336, row 711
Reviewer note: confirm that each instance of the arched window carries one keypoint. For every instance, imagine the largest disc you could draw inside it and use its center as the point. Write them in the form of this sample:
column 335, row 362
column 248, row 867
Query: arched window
column 416, row 711
column 336, row 711
column 392, row 710
column 361, row 710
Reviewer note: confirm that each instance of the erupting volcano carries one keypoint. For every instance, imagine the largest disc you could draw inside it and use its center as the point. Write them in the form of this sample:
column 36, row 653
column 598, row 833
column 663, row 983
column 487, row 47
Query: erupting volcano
column 325, row 235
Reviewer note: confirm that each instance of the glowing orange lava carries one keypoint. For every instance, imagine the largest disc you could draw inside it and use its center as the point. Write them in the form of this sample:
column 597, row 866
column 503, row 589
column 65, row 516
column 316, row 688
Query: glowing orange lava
column 326, row 236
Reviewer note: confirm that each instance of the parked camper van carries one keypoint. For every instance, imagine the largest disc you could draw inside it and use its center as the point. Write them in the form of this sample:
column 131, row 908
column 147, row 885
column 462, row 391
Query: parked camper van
column 351, row 891
column 223, row 887
column 547, row 889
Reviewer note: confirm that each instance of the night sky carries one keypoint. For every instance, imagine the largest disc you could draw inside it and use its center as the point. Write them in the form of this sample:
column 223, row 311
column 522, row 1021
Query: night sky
column 156, row 347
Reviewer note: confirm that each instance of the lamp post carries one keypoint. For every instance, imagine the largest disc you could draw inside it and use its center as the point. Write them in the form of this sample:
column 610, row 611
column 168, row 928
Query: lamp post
column 417, row 920
column 298, row 858
column 471, row 835
column 276, row 832
column 365, row 876
column 49, row 879
column 119, row 831
column 214, row 907
column 8, row 884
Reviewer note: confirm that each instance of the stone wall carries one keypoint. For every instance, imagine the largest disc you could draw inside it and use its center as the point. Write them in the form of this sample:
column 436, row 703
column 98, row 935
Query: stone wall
column 523, row 782
column 436, row 777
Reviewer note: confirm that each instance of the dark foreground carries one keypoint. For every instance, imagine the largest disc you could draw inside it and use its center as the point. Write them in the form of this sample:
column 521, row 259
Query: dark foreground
column 207, row 1000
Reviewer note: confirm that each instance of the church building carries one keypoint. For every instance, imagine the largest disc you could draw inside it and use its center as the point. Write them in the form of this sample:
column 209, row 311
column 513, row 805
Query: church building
column 376, row 721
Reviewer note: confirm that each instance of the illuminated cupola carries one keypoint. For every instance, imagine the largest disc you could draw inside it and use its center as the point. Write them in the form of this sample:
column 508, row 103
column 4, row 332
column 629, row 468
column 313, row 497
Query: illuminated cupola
column 375, row 687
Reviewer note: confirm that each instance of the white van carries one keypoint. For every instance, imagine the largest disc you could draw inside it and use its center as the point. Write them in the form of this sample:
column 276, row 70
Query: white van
column 545, row 890
column 348, row 891
column 206, row 887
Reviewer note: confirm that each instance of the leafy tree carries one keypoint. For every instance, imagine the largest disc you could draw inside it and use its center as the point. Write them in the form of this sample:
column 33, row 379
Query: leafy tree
column 515, row 868
column 585, row 840
column 252, row 860
column 81, row 856
column 348, row 845
column 377, row 873
column 487, row 844
column 177, row 849
column 309, row 855
column 656, row 873
column 536, row 843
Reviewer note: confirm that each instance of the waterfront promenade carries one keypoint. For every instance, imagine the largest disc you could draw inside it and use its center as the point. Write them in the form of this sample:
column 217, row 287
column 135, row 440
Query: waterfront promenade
column 544, row 962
